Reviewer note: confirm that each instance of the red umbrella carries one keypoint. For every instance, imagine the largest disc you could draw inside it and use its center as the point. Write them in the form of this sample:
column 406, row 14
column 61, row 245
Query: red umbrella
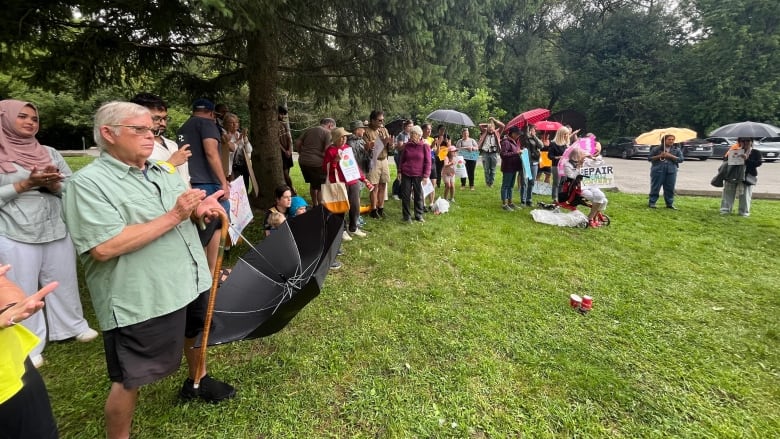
column 547, row 125
column 530, row 116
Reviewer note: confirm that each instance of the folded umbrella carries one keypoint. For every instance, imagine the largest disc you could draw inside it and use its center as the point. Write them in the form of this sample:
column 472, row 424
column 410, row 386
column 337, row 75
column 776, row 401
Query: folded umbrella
column 451, row 116
column 754, row 130
column 272, row 282
column 654, row 137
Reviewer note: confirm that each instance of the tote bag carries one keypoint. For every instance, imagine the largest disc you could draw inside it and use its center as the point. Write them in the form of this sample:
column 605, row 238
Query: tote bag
column 334, row 195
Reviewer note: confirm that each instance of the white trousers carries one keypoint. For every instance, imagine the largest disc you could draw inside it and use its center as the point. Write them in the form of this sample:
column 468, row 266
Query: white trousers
column 35, row 265
column 596, row 196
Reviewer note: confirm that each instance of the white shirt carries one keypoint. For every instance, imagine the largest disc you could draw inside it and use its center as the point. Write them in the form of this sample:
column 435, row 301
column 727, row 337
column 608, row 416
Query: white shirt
column 164, row 151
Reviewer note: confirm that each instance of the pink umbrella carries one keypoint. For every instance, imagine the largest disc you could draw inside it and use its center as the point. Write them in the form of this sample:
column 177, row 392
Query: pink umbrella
column 530, row 116
column 587, row 144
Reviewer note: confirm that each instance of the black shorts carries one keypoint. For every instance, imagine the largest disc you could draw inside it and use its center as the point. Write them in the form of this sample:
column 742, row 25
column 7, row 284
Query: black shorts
column 148, row 351
column 314, row 175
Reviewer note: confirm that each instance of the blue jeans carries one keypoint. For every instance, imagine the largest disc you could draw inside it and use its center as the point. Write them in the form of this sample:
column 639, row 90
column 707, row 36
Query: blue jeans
column 489, row 162
column 507, row 185
column 527, row 186
column 661, row 178
column 556, row 183
column 210, row 188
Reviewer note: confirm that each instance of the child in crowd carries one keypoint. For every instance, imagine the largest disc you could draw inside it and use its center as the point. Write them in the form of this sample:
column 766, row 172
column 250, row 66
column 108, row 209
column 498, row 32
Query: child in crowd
column 298, row 206
column 448, row 173
column 275, row 219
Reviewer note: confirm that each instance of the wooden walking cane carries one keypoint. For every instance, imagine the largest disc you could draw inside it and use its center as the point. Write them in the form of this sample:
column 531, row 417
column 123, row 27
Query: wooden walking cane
column 212, row 296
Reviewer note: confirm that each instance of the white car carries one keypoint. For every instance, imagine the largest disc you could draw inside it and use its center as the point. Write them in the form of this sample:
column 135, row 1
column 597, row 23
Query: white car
column 769, row 147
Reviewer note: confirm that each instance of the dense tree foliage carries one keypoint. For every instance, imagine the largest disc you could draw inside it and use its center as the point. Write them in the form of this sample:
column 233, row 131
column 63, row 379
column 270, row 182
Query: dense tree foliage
column 629, row 65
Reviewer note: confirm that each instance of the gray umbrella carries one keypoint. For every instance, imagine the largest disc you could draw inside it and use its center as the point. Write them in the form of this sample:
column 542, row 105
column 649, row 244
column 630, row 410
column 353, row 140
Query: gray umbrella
column 451, row 116
column 746, row 129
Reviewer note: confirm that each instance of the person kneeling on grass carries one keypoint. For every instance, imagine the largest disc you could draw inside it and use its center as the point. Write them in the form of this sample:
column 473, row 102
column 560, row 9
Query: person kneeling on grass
column 598, row 200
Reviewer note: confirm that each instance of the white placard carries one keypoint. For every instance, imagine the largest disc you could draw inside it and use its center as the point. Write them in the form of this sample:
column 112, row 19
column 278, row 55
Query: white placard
column 378, row 147
column 460, row 167
column 427, row 187
column 348, row 165
column 240, row 210
column 736, row 158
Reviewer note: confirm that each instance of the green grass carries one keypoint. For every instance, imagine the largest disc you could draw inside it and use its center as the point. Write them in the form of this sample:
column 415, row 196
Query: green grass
column 460, row 328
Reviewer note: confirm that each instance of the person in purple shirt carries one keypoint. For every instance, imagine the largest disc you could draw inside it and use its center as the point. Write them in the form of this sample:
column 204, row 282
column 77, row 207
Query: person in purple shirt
column 415, row 167
column 510, row 166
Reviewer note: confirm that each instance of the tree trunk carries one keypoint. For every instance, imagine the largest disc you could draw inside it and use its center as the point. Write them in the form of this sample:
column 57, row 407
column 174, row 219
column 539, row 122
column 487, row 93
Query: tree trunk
column 263, row 68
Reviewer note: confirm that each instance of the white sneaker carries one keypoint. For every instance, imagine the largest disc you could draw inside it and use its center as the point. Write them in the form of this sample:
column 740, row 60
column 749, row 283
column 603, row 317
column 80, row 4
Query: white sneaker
column 345, row 236
column 88, row 335
column 359, row 233
column 37, row 360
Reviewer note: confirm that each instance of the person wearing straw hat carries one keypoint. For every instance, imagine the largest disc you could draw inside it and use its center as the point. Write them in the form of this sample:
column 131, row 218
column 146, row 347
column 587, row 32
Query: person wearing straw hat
column 331, row 166
column 131, row 223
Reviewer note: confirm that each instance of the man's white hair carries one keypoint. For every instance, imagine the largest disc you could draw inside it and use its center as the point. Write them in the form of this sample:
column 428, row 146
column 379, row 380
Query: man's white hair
column 113, row 113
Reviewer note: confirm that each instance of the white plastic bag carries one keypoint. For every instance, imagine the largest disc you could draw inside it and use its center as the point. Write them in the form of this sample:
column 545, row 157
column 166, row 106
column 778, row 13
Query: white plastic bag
column 561, row 218
column 441, row 206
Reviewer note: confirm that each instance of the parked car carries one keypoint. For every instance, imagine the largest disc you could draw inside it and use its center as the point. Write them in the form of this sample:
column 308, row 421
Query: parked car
column 721, row 145
column 769, row 147
column 626, row 147
column 696, row 149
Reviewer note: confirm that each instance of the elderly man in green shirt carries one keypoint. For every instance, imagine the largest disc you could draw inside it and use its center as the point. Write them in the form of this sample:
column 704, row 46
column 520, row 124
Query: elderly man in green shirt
column 130, row 220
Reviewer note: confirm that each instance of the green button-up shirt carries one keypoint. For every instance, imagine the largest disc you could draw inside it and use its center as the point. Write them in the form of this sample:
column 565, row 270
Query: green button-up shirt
column 168, row 273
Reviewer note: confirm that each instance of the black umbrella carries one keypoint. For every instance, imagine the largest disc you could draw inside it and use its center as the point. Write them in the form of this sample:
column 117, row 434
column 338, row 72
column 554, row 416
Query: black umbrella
column 395, row 127
column 451, row 116
column 746, row 129
column 575, row 119
column 272, row 282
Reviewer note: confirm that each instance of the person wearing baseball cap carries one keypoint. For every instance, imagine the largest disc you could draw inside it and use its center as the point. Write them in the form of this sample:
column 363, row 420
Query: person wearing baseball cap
column 205, row 166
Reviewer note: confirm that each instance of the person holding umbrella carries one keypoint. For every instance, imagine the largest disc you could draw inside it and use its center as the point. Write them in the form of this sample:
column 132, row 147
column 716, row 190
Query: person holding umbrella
column 131, row 223
column 740, row 176
column 665, row 159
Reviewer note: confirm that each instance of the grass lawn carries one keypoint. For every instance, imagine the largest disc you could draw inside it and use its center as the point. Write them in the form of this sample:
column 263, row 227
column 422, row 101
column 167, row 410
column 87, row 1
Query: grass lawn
column 461, row 328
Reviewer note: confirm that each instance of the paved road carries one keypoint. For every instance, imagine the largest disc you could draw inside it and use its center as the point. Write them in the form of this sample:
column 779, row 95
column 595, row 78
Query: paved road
column 633, row 176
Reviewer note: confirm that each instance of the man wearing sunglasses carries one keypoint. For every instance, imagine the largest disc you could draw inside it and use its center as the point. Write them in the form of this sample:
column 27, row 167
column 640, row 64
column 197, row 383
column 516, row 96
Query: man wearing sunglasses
column 377, row 136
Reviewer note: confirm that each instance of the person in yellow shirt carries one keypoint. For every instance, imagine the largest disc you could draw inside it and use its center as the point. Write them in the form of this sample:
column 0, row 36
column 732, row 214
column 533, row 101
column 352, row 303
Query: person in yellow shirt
column 25, row 410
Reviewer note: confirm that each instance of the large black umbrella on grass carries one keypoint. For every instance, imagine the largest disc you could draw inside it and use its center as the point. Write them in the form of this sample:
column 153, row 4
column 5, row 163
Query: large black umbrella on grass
column 272, row 282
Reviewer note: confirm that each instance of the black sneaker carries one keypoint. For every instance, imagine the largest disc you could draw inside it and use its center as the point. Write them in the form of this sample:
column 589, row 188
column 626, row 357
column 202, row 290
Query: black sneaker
column 381, row 212
column 210, row 390
column 374, row 214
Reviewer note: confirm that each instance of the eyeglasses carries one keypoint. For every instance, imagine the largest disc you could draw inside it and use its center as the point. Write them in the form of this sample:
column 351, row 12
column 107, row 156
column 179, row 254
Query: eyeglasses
column 161, row 118
column 137, row 129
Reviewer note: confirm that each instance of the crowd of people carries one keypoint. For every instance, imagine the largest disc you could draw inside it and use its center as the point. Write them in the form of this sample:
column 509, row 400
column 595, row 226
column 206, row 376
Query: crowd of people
column 133, row 210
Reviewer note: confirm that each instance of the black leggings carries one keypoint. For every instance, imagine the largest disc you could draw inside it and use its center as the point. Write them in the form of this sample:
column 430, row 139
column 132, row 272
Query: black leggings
column 470, row 166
